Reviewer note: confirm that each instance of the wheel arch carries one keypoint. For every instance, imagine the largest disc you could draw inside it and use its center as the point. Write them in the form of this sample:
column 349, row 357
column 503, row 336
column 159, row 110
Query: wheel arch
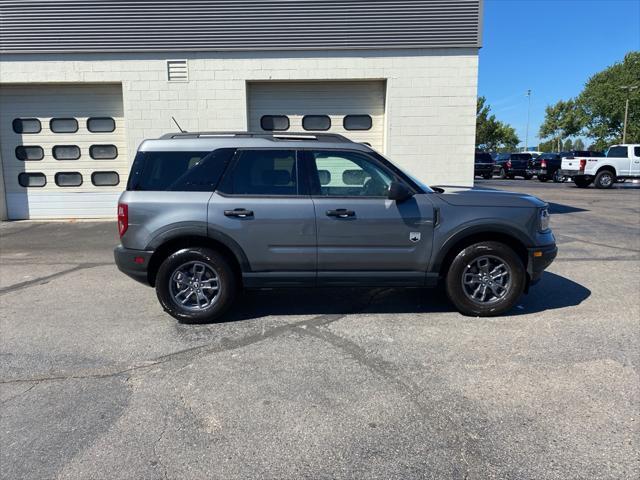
column 474, row 235
column 230, row 250
column 609, row 168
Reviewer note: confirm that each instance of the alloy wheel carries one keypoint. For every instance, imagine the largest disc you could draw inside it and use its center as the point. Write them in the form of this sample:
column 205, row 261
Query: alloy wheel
column 486, row 279
column 194, row 286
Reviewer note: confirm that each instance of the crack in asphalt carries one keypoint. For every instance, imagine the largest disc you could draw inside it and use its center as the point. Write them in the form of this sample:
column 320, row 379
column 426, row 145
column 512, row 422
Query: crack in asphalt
column 48, row 278
column 18, row 395
column 203, row 350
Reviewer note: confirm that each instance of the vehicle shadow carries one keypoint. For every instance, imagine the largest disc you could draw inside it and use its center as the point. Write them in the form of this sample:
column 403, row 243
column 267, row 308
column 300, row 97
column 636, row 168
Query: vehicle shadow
column 559, row 208
column 553, row 292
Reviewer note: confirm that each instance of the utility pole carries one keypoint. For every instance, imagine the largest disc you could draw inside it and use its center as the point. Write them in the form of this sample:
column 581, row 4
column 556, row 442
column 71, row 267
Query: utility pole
column 526, row 135
column 629, row 89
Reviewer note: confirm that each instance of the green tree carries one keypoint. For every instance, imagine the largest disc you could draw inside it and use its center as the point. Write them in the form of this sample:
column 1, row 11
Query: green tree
column 568, row 145
column 578, row 144
column 548, row 146
column 564, row 119
column 603, row 103
column 492, row 134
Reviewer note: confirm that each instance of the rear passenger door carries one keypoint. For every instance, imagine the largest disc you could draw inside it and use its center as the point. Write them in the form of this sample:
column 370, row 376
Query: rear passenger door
column 264, row 208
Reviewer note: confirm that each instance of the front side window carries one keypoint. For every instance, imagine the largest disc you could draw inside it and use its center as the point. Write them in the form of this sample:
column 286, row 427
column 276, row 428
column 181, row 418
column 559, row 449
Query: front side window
column 350, row 174
column 617, row 152
column 63, row 125
column 262, row 172
column 178, row 171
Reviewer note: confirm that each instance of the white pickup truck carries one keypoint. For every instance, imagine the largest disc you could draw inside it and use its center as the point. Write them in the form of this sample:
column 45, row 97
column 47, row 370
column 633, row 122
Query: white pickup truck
column 619, row 161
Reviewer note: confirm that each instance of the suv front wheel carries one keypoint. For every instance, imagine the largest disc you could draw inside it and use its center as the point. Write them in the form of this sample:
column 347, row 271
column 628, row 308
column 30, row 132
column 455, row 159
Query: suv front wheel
column 485, row 279
column 196, row 285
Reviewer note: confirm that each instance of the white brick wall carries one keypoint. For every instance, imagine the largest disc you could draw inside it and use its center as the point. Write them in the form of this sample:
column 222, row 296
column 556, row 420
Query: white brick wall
column 431, row 94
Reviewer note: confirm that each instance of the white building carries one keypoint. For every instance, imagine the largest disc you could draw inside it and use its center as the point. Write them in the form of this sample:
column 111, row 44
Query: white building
column 82, row 83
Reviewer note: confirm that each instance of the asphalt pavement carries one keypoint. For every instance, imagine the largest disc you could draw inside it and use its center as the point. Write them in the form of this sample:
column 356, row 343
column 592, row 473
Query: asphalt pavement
column 97, row 382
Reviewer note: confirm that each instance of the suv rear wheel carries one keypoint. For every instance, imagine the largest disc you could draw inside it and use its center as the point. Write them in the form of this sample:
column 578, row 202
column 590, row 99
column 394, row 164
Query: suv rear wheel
column 485, row 279
column 196, row 285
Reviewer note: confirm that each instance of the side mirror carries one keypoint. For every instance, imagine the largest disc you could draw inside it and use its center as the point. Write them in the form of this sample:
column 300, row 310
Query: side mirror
column 399, row 192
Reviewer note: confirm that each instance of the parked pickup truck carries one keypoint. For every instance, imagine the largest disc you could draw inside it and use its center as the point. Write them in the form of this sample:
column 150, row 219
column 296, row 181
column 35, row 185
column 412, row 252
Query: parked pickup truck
column 619, row 162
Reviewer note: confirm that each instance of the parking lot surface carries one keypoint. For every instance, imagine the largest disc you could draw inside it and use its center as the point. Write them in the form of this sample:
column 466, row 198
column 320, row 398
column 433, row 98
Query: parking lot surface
column 99, row 383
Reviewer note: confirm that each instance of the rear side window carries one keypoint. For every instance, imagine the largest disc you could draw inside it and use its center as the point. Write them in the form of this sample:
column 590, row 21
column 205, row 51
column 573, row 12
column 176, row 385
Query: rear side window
column 521, row 156
column 483, row 158
column 617, row 152
column 262, row 172
column 178, row 171
column 636, row 151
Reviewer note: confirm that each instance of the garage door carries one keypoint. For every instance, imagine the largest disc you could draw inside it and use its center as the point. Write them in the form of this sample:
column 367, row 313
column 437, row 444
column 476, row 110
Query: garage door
column 63, row 150
column 354, row 109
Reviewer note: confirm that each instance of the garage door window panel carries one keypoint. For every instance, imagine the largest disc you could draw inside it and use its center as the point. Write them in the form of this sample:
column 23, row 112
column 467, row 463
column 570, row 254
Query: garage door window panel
column 68, row 179
column 101, row 124
column 29, row 153
column 316, row 122
column 262, row 173
column 32, row 179
column 63, row 125
column 66, row 152
column 103, row 152
column 357, row 122
column 274, row 123
column 350, row 174
column 26, row 125
column 105, row 179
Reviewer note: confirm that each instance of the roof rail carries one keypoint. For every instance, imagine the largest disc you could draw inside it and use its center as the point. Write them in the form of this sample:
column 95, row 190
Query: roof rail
column 276, row 136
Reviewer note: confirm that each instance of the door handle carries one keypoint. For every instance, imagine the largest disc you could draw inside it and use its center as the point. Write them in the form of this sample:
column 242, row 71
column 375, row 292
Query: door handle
column 238, row 212
column 341, row 213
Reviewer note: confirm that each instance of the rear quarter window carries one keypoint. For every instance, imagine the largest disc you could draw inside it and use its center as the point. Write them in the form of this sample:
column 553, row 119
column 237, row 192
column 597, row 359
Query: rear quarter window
column 178, row 171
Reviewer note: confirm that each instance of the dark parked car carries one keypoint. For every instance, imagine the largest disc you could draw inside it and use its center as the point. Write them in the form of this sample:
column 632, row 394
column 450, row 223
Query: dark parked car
column 547, row 166
column 483, row 165
column 510, row 165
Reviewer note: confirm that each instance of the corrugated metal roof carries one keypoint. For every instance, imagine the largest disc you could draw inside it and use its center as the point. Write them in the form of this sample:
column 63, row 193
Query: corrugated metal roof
column 69, row 26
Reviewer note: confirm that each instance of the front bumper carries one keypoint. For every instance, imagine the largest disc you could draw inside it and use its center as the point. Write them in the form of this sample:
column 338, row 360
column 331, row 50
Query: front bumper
column 539, row 259
column 133, row 263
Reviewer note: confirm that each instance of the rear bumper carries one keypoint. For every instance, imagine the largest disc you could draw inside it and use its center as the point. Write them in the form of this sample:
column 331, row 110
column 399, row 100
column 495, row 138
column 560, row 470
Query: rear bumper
column 483, row 169
column 133, row 263
column 572, row 173
column 539, row 259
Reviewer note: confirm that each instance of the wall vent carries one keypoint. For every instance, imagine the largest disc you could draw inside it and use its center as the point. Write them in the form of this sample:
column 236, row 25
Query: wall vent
column 177, row 71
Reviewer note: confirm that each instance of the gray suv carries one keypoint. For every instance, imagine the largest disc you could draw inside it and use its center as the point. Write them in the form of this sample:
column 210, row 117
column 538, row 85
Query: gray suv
column 206, row 215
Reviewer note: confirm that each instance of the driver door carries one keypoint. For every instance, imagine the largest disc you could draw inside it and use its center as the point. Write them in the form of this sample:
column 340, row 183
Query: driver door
column 362, row 236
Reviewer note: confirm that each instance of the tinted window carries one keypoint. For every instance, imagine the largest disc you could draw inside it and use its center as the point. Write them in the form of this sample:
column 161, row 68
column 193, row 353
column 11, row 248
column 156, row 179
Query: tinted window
column 582, row 153
column 103, row 152
column 68, row 179
column 66, row 152
column 63, row 125
column 31, row 152
column 105, row 179
column 316, row 122
column 503, row 156
column 32, row 179
column 101, row 124
column 274, row 122
column 178, row 171
column 483, row 158
column 617, row 152
column 263, row 172
column 357, row 122
column 350, row 174
column 521, row 156
column 636, row 151
column 26, row 125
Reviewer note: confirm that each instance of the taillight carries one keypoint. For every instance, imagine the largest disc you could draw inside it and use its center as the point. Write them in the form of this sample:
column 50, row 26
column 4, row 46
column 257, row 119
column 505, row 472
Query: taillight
column 508, row 163
column 123, row 218
column 543, row 164
column 583, row 164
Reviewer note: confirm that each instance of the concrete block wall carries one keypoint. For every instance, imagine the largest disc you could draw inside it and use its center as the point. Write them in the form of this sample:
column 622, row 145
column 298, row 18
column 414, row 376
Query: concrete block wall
column 430, row 99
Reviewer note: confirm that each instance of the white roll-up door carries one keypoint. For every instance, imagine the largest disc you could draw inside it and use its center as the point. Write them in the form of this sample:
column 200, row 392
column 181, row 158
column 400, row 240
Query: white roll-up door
column 346, row 103
column 63, row 150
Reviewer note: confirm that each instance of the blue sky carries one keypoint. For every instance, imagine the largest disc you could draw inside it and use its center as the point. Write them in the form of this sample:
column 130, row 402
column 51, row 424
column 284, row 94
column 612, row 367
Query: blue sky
column 551, row 47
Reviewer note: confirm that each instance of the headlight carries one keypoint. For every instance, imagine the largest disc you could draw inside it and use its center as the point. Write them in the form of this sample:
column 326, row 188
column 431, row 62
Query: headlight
column 544, row 219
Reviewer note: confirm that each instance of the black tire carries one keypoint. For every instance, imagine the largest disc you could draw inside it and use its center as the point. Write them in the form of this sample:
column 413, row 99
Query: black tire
column 528, row 176
column 543, row 178
column 604, row 179
column 502, row 174
column 511, row 177
column 581, row 182
column 467, row 257
column 227, row 281
column 487, row 176
column 557, row 178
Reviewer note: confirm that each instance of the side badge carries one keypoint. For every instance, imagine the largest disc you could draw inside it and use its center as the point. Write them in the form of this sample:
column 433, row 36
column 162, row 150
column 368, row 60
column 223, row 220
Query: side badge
column 414, row 237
